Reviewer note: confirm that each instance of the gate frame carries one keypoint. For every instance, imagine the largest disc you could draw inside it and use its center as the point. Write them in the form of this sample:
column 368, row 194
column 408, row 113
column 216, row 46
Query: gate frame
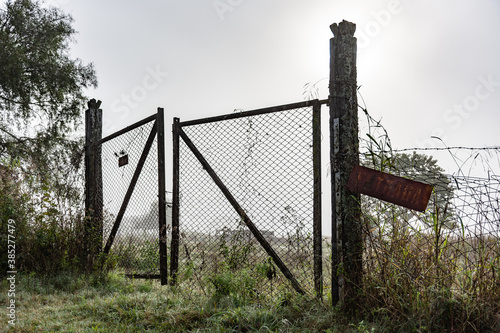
column 178, row 133
column 93, row 191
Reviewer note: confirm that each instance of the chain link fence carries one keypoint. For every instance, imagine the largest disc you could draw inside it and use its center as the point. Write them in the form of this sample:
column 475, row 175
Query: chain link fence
column 447, row 257
column 135, row 245
column 457, row 236
column 265, row 160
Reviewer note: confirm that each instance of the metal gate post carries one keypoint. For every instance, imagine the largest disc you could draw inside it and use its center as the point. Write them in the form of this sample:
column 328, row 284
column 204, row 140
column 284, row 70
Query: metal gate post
column 174, row 246
column 162, row 214
column 317, row 235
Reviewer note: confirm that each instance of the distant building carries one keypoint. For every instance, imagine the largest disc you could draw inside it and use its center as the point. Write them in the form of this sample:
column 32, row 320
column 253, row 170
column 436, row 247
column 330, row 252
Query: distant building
column 244, row 235
column 140, row 224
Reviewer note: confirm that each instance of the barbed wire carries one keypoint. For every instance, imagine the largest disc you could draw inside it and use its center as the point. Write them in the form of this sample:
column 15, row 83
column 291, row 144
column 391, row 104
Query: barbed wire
column 444, row 148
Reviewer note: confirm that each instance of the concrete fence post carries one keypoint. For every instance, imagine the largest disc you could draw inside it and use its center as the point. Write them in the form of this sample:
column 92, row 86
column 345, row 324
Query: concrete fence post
column 93, row 228
column 347, row 242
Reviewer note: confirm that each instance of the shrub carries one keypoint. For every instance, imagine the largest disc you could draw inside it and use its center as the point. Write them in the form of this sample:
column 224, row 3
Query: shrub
column 47, row 237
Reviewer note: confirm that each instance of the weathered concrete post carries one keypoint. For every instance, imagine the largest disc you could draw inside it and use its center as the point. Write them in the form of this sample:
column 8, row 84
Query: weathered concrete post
column 347, row 243
column 93, row 228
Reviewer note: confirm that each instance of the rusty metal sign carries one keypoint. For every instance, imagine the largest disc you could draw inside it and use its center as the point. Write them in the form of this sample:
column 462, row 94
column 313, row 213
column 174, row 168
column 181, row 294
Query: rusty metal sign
column 397, row 190
column 122, row 160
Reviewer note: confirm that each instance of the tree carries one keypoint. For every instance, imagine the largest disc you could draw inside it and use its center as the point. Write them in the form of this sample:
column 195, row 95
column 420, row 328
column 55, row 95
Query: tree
column 41, row 104
column 41, row 89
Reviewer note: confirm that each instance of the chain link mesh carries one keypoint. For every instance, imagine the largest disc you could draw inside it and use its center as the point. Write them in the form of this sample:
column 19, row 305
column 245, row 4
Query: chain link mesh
column 136, row 243
column 266, row 163
column 451, row 247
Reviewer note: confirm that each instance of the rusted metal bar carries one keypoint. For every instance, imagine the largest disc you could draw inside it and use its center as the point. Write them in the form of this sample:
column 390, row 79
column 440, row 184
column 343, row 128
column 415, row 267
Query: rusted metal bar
column 241, row 212
column 143, row 276
column 317, row 236
column 174, row 245
column 162, row 203
column 253, row 112
column 127, row 129
column 397, row 190
column 131, row 187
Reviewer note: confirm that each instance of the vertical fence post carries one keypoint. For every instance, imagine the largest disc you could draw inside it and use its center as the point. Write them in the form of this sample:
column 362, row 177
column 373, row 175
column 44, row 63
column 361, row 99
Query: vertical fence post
column 162, row 203
column 347, row 244
column 317, row 235
column 93, row 228
column 174, row 247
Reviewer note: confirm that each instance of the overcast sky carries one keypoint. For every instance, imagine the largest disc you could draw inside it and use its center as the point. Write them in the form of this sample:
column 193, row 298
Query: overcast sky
column 427, row 68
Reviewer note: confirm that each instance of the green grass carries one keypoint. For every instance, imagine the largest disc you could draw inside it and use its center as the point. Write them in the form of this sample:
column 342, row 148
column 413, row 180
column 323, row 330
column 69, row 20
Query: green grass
column 412, row 283
column 70, row 303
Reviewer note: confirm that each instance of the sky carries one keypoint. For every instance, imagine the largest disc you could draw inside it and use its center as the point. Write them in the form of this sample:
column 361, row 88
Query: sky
column 426, row 68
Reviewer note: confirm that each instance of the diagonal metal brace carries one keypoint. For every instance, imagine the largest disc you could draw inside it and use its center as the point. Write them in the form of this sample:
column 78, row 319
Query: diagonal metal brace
column 130, row 189
column 258, row 235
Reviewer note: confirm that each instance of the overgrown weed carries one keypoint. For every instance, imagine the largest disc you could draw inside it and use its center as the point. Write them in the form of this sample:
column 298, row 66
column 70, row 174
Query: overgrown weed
column 75, row 303
column 427, row 272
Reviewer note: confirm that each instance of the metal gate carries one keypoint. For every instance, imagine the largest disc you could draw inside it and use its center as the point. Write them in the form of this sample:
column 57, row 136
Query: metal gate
column 247, row 196
column 133, row 192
